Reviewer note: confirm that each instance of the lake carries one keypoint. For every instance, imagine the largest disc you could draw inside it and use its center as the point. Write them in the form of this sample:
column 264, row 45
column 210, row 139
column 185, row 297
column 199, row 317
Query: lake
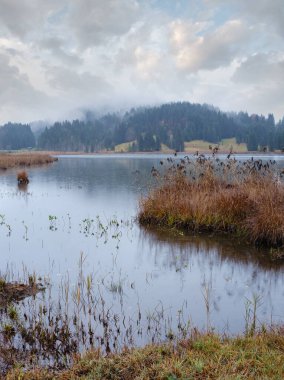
column 76, row 220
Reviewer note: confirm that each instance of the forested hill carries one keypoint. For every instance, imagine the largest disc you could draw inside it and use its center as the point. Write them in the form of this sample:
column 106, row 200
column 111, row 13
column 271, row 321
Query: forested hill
column 169, row 124
column 146, row 129
column 16, row 136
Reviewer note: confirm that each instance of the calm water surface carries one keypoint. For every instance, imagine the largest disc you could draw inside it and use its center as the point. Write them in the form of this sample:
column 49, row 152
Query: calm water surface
column 71, row 207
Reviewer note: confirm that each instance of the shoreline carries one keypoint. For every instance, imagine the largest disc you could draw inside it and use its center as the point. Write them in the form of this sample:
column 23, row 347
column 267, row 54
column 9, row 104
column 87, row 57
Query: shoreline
column 206, row 152
column 252, row 355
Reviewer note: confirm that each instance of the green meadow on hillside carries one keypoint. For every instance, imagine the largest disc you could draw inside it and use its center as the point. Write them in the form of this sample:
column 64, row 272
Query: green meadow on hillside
column 225, row 145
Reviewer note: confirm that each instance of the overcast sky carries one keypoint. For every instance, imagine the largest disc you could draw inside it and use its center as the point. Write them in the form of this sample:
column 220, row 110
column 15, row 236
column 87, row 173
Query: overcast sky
column 59, row 56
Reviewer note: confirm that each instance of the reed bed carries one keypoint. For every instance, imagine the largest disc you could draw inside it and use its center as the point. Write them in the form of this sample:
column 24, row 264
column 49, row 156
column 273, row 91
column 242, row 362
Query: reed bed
column 207, row 194
column 12, row 160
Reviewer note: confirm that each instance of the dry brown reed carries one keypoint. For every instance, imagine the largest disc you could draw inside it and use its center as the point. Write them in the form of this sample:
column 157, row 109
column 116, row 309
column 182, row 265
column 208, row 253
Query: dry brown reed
column 22, row 177
column 11, row 160
column 207, row 194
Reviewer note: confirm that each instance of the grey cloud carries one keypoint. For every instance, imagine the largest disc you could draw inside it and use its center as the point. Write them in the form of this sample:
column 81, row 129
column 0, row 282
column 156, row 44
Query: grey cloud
column 19, row 100
column 22, row 17
column 261, row 79
column 16, row 88
column 94, row 21
column 261, row 69
column 58, row 50
column 70, row 82
column 271, row 13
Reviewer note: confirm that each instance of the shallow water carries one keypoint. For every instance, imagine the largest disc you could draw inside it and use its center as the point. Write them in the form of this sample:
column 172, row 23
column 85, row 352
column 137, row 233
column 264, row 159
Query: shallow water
column 72, row 207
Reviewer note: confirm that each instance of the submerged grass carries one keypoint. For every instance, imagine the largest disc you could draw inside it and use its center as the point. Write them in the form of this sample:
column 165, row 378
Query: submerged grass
column 11, row 160
column 202, row 356
column 207, row 194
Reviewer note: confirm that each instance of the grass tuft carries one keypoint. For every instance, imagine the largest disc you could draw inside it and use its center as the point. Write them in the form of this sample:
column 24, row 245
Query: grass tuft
column 207, row 194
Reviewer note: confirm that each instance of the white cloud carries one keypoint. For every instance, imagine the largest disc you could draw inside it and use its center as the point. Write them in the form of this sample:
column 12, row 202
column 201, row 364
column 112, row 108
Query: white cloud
column 195, row 51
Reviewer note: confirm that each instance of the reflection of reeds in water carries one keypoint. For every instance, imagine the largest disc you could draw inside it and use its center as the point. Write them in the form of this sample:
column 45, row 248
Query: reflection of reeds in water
column 49, row 329
column 182, row 247
column 211, row 195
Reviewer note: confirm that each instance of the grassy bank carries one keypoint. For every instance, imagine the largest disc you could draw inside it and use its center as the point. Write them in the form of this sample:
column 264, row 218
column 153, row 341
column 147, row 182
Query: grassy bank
column 200, row 357
column 206, row 194
column 12, row 160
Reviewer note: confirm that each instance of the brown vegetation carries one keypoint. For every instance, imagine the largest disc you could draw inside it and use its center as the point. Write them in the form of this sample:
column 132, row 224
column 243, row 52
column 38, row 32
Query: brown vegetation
column 14, row 292
column 246, row 198
column 11, row 160
column 201, row 357
column 22, row 177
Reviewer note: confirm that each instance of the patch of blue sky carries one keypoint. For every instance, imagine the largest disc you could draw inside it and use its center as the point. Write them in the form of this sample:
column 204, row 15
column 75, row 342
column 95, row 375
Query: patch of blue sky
column 223, row 14
column 57, row 17
column 176, row 8
column 196, row 11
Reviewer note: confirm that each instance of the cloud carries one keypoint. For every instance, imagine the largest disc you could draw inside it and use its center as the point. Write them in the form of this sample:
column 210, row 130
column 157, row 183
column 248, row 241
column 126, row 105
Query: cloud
column 16, row 87
column 207, row 51
column 262, row 78
column 68, row 81
column 261, row 69
column 17, row 97
column 21, row 17
column 58, row 55
column 58, row 50
column 94, row 22
column 268, row 13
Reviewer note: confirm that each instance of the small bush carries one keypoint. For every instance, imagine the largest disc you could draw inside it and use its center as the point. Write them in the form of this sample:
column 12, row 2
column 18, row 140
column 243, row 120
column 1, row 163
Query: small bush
column 22, row 177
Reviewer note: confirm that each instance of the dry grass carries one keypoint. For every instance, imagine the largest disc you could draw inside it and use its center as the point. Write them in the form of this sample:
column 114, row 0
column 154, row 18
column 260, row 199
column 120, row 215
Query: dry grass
column 225, row 145
column 12, row 160
column 209, row 195
column 201, row 357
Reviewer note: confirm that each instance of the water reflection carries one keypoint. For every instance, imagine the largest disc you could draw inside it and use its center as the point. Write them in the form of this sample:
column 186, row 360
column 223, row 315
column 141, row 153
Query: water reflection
column 67, row 209
column 181, row 247
column 23, row 187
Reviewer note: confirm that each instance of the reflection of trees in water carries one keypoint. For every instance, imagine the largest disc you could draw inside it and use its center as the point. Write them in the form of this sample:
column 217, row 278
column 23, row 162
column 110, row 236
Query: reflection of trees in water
column 174, row 250
column 101, row 172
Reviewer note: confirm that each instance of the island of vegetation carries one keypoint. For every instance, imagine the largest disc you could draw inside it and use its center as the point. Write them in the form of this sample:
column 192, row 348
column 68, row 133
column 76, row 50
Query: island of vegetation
column 25, row 159
column 211, row 195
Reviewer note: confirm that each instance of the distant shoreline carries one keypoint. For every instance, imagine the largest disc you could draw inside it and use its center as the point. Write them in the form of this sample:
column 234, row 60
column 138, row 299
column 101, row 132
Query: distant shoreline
column 103, row 153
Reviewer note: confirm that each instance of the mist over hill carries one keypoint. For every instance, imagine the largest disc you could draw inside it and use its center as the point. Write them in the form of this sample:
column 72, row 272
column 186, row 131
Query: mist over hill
column 148, row 129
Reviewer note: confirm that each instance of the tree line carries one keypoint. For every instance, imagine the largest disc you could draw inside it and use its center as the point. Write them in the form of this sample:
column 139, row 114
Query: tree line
column 148, row 128
column 15, row 136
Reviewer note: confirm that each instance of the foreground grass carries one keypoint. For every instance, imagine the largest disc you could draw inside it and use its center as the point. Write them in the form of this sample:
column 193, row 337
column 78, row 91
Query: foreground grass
column 210, row 195
column 11, row 160
column 201, row 357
